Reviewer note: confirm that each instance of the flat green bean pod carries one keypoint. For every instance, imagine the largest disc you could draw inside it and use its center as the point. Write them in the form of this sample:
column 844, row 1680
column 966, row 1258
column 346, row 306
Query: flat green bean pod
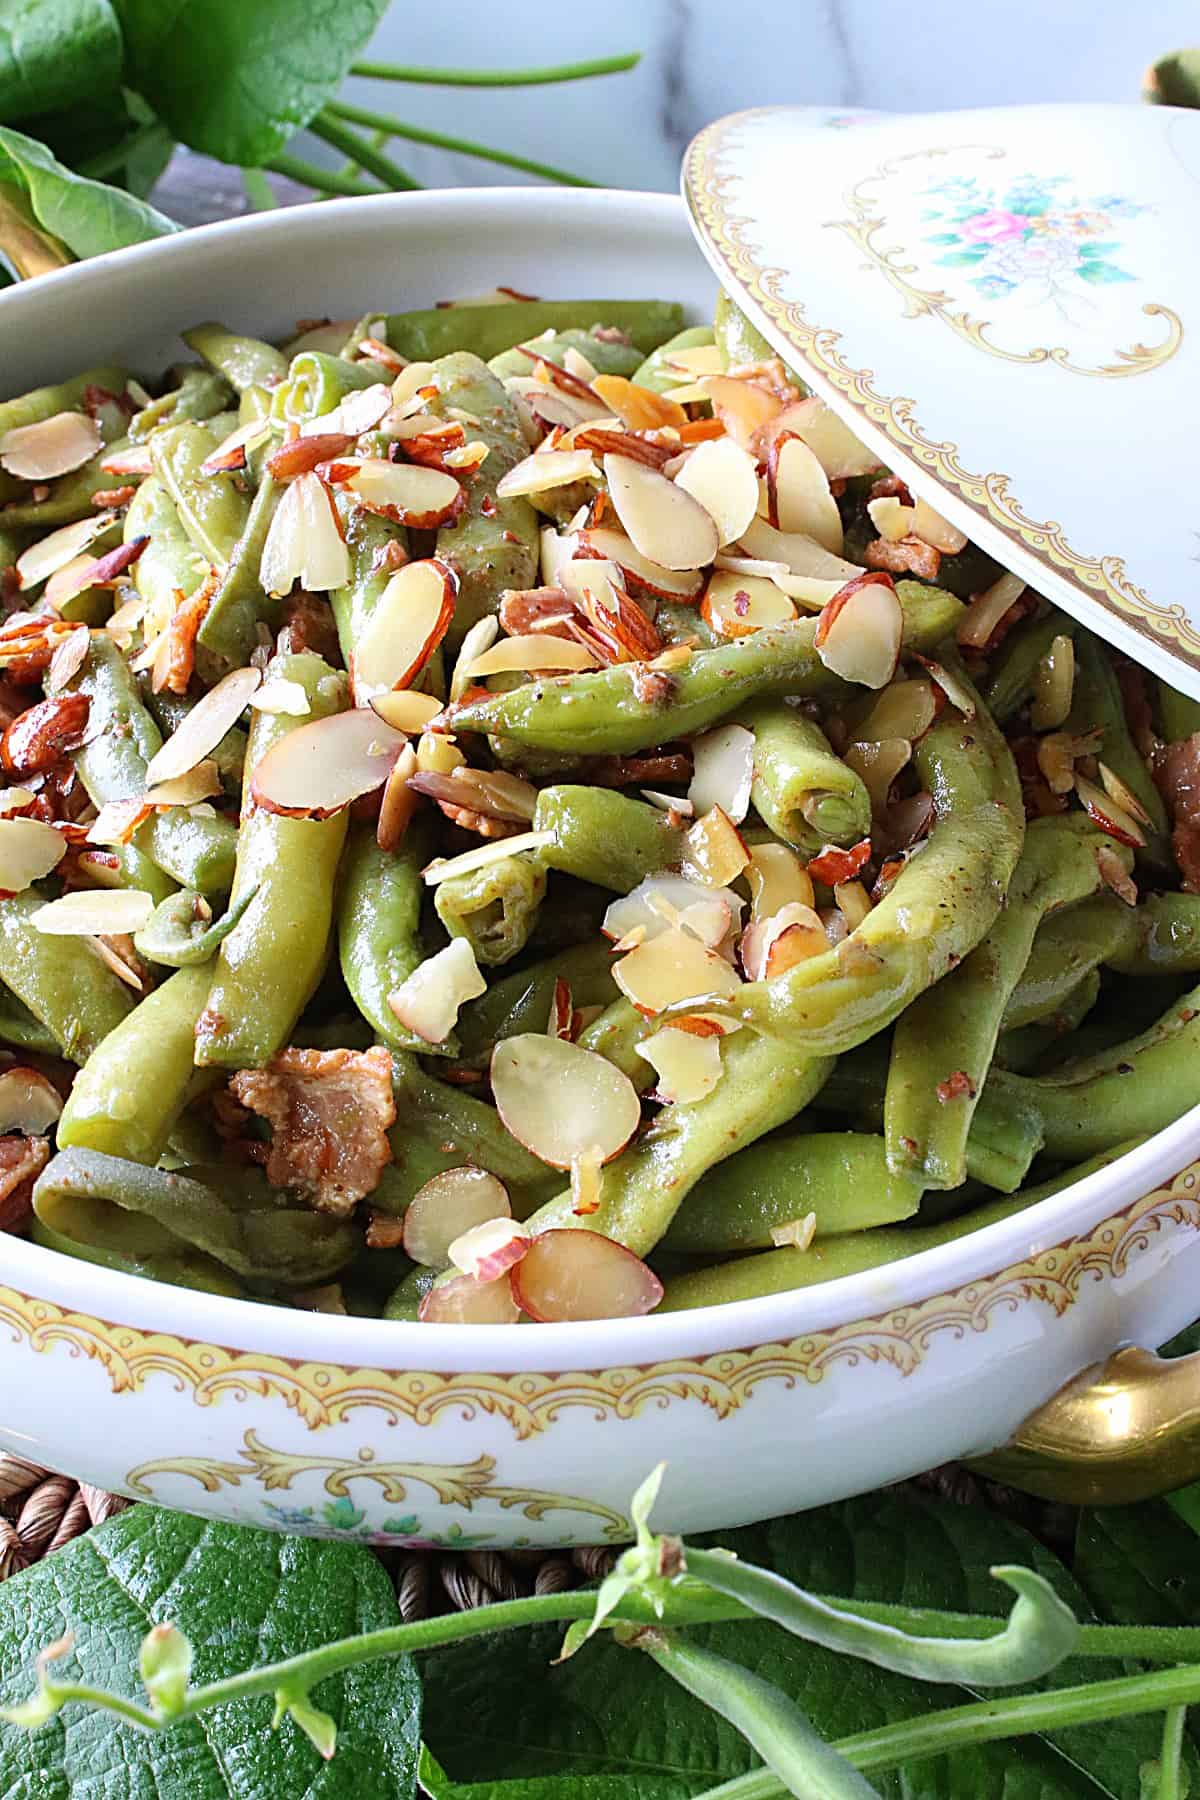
column 486, row 331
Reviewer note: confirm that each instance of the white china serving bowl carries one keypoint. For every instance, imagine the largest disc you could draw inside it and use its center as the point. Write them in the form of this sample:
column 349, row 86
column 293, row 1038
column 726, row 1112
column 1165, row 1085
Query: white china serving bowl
column 460, row 1436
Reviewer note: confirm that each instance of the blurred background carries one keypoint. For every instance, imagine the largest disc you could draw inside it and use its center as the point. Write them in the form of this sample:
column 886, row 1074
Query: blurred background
column 701, row 58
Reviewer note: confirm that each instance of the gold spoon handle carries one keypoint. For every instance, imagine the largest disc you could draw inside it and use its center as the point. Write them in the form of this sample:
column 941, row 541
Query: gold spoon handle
column 1122, row 1430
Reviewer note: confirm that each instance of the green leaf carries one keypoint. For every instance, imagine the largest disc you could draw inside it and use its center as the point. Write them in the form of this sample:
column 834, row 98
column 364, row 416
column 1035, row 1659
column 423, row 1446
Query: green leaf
column 242, row 1598
column 1101, row 272
column 237, row 78
column 1139, row 1565
column 960, row 259
column 56, row 53
column 1175, row 80
column 509, row 1727
column 89, row 217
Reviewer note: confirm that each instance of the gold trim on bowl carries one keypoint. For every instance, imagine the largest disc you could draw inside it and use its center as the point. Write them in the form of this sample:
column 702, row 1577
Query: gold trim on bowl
column 1104, row 578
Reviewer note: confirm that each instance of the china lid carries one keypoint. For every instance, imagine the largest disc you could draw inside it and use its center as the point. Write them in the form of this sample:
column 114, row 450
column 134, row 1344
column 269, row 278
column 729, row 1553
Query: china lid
column 1005, row 305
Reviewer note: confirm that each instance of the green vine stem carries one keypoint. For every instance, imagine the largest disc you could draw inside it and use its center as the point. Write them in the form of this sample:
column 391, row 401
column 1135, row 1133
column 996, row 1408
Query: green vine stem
column 1170, row 1757
column 605, row 65
column 417, row 134
column 333, row 132
column 326, row 181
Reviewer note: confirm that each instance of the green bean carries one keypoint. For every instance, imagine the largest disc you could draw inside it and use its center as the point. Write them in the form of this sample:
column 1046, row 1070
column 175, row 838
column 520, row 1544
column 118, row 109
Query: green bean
column 229, row 632
column 616, row 1035
column 802, row 790
column 200, row 394
column 20, row 1030
column 64, row 396
column 1178, row 714
column 369, row 539
column 104, row 1235
column 487, row 330
column 1165, row 939
column 607, row 711
column 1159, row 936
column 441, row 1127
column 738, row 341
column 656, row 372
column 856, row 1252
column 181, row 931
column 940, row 906
column 268, row 968
column 840, row 1176
column 243, row 361
column 1023, row 1048
column 608, row 356
column 603, row 836
column 494, row 908
column 1012, row 672
column 61, row 980
column 404, row 1303
column 229, row 1214
column 1098, row 705
column 763, row 1084
column 170, row 710
column 945, row 1041
column 212, row 508
column 169, row 564
column 93, row 606
column 196, row 849
column 521, row 1001
column 378, row 922
column 71, row 497
column 132, row 1088
column 493, row 544
column 11, row 544
column 318, row 382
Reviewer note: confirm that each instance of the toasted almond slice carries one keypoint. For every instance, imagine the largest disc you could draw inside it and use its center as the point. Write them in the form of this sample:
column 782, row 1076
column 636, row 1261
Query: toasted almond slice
column 798, row 922
column 776, row 878
column 538, row 652
column 724, row 479
column 1123, row 794
column 106, row 912
column 408, row 493
column 199, row 783
column 931, row 528
column 409, row 382
column 446, row 1206
column 641, row 575
column 858, row 634
column 555, row 549
column 714, row 850
column 835, row 446
column 802, row 555
column 688, row 1067
column 304, row 542
column 29, row 849
column 904, row 709
column 745, row 409
column 361, row 410
column 58, row 548
column 117, row 820
column 547, row 469
column 409, row 621
column 662, row 902
column 406, row 710
column 463, row 1300
column 1116, row 876
column 231, row 452
column 569, row 1275
column 561, row 1101
column 986, row 610
column 1111, row 817
column 672, row 966
column 800, row 499
column 316, row 770
column 699, row 359
column 879, row 764
column 429, row 1001
column 29, row 1103
column 203, row 728
column 797, row 1234
column 50, row 447
column 490, row 1249
column 280, row 696
column 956, row 691
column 69, row 657
column 496, row 851
column 551, row 405
column 638, row 408
column 736, row 604
column 891, row 518
column 723, row 771
column 14, row 800
column 662, row 519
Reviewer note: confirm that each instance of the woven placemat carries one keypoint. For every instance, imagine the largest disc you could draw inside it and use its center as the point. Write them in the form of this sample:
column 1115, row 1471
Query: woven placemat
column 41, row 1511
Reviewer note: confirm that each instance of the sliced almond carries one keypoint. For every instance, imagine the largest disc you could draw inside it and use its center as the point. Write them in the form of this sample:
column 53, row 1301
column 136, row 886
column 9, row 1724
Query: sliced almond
column 29, row 849
column 361, row 410
column 204, row 726
column 50, row 447
column 776, row 878
column 736, row 604
column 638, row 408
column 117, row 821
column 281, row 697
column 538, row 653
column 551, row 405
column 490, row 1249
column 723, row 769
column 878, row 764
column 429, row 1001
column 673, row 966
column 796, row 922
column 304, row 543
column 1123, row 794
column 662, row 519
column 891, row 518
column 446, row 1206
column 570, row 1275
column 444, row 868
column 931, row 528
column 796, row 1234
column 88, row 912
column 723, row 478
column 561, row 1101
column 800, row 498
column 859, row 633
column 547, row 469
column 662, row 902
column 714, row 850
column 409, row 382
column 464, row 1300
column 199, row 783
column 904, row 709
column 688, row 1067
column 231, row 452
column 745, row 409
column 58, row 548
column 406, row 710
column 986, row 610
column 641, row 575
column 408, row 493
column 835, row 446
column 315, row 770
column 407, row 623
column 801, row 555
column 29, row 1103
column 1111, row 817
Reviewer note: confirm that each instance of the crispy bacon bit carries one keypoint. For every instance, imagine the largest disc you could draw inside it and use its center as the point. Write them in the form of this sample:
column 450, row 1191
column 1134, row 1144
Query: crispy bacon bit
column 22, row 1160
column 1178, row 778
column 833, row 866
column 958, row 1086
column 309, row 625
column 1185, row 842
column 118, row 496
column 39, row 737
column 910, row 556
column 665, row 766
column 176, row 656
column 890, row 487
column 303, row 454
column 329, row 1112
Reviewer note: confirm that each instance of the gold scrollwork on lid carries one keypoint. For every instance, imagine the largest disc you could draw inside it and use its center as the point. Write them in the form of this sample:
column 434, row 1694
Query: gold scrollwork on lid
column 1105, row 578
column 868, row 221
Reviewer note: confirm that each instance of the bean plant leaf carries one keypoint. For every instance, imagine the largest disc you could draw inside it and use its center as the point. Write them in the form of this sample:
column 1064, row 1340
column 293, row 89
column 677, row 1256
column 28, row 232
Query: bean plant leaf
column 604, row 1725
column 237, row 78
column 1174, row 80
column 89, row 217
column 243, row 1598
column 56, row 53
